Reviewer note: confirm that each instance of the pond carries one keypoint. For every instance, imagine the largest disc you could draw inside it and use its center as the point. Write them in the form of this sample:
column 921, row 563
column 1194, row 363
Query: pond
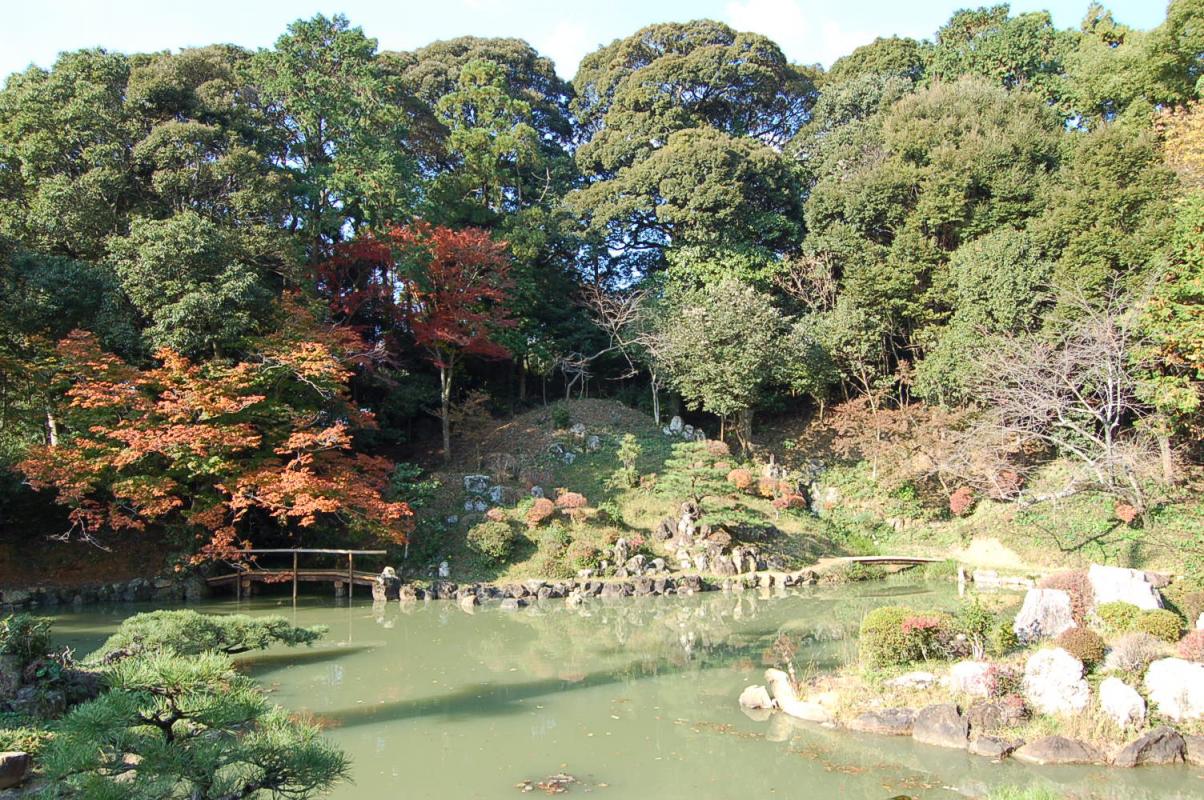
column 636, row 698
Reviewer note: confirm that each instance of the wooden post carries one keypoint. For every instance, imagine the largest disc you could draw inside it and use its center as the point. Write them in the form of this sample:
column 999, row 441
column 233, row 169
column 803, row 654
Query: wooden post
column 237, row 583
column 350, row 575
column 294, row 577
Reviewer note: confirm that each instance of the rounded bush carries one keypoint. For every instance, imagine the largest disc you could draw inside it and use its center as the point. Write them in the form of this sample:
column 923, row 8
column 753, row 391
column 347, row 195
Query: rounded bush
column 554, row 539
column 583, row 555
column 493, row 540
column 1160, row 623
column 571, row 500
column 1085, row 645
column 540, row 510
column 1003, row 639
column 1133, row 652
column 1191, row 646
column 740, row 478
column 1118, row 617
column 881, row 640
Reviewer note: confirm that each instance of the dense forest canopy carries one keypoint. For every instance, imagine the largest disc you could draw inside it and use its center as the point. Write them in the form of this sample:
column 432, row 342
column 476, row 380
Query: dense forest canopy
column 234, row 283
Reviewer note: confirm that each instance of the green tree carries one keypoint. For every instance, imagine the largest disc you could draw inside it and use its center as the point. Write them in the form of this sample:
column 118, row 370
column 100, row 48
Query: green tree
column 188, row 633
column 198, row 729
column 720, row 346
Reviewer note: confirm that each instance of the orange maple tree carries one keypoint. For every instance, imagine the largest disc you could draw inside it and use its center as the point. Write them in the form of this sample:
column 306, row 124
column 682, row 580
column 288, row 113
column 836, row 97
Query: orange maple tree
column 212, row 448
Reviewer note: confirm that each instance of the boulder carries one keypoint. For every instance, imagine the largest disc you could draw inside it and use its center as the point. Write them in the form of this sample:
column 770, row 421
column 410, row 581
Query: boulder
column 1058, row 750
column 912, row 680
column 476, row 484
column 1053, row 682
column 10, row 676
column 512, row 604
column 497, row 495
column 593, row 443
column 1121, row 702
column 756, row 697
column 1176, row 687
column 811, row 709
column 578, row 430
column 942, row 725
column 989, row 716
column 1045, row 614
column 1200, row 623
column 890, row 722
column 387, row 585
column 1116, row 584
column 970, row 677
column 1160, row 746
column 994, row 746
column 14, row 768
column 676, row 425
column 1195, row 750
column 537, row 492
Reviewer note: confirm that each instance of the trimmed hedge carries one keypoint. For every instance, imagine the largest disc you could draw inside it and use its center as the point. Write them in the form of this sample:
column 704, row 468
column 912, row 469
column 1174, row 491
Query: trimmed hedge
column 1161, row 623
column 1085, row 645
column 493, row 540
column 1118, row 617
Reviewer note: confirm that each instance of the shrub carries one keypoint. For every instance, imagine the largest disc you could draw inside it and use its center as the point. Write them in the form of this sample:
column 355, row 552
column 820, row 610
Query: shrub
column 881, row 640
column 896, row 635
column 1191, row 646
column 1160, row 623
column 1133, row 652
column 788, row 501
column 717, row 448
column 1125, row 513
column 186, row 633
column 740, row 478
column 974, row 621
column 25, row 636
column 1003, row 681
column 767, row 487
column 1076, row 584
column 540, row 510
column 561, row 419
column 1003, row 639
column 568, row 501
column 1084, row 644
column 940, row 570
column 555, row 539
column 1118, row 617
column 961, row 501
column 493, row 540
column 583, row 555
column 495, row 514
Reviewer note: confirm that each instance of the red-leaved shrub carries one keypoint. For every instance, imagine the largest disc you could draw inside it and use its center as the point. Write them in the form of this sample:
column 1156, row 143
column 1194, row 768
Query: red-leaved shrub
column 961, row 501
column 717, row 448
column 1125, row 513
column 568, row 501
column 1191, row 646
column 1076, row 584
column 767, row 487
column 540, row 510
column 495, row 514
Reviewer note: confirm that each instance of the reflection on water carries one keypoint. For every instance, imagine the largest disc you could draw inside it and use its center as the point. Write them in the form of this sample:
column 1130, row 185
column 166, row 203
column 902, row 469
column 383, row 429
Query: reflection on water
column 637, row 698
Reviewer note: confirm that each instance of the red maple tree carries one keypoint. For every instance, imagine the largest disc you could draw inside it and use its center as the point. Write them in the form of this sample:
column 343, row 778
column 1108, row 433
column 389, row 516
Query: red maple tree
column 446, row 287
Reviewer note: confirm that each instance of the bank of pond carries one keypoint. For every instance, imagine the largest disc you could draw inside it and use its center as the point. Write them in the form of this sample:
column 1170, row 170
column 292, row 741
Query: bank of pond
column 626, row 696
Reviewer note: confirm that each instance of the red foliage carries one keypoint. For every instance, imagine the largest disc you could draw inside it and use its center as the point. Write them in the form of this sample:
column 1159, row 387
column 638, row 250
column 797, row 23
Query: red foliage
column 961, row 501
column 495, row 514
column 1191, row 646
column 567, row 501
column 1125, row 513
column 1076, row 584
column 200, row 447
column 789, row 500
column 540, row 510
column 717, row 448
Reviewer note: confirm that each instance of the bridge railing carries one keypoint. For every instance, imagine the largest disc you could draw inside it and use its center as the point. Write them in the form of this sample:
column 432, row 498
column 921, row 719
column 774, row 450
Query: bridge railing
column 297, row 552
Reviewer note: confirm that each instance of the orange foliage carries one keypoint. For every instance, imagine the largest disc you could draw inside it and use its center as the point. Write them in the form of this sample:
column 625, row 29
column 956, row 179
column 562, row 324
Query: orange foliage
column 202, row 447
column 540, row 510
column 569, row 500
column 740, row 478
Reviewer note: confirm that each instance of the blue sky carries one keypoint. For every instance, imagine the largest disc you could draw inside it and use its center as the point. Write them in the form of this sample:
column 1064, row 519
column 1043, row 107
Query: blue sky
column 809, row 31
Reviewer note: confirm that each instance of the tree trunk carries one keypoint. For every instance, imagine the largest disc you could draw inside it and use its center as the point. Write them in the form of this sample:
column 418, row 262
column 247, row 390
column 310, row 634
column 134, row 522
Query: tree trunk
column 445, row 384
column 522, row 383
column 1167, row 458
column 52, row 428
column 744, row 420
column 656, row 402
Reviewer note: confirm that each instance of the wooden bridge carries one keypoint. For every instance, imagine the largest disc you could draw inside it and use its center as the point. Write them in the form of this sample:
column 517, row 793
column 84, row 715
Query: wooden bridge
column 888, row 559
column 246, row 574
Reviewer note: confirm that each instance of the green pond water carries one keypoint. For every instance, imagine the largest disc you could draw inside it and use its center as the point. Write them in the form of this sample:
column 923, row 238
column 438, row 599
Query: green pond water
column 636, row 698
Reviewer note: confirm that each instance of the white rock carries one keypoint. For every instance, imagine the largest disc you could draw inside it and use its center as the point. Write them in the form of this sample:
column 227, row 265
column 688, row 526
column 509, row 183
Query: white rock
column 1200, row 623
column 578, row 430
column 912, row 680
column 1176, row 687
column 497, row 494
column 756, row 697
column 444, row 570
column 676, row 425
column 816, row 708
column 687, row 432
column 593, row 443
column 569, row 457
column 1045, row 614
column 700, row 435
column 1121, row 702
column 970, row 677
column 1116, row 584
column 537, row 492
column 476, row 484
column 1053, row 682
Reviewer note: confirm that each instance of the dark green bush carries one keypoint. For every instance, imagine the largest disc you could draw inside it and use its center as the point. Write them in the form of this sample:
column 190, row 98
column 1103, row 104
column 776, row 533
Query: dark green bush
column 25, row 636
column 975, row 621
column 1085, row 645
column 1118, row 617
column 1003, row 639
column 1160, row 623
column 493, row 540
column 561, row 419
column 583, row 554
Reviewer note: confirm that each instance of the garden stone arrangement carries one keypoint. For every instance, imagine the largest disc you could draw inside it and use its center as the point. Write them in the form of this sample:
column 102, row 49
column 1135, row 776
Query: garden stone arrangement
column 1093, row 668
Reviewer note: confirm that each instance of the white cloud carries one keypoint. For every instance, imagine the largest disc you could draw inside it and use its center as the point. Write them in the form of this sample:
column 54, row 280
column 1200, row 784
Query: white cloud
column 804, row 36
column 566, row 44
